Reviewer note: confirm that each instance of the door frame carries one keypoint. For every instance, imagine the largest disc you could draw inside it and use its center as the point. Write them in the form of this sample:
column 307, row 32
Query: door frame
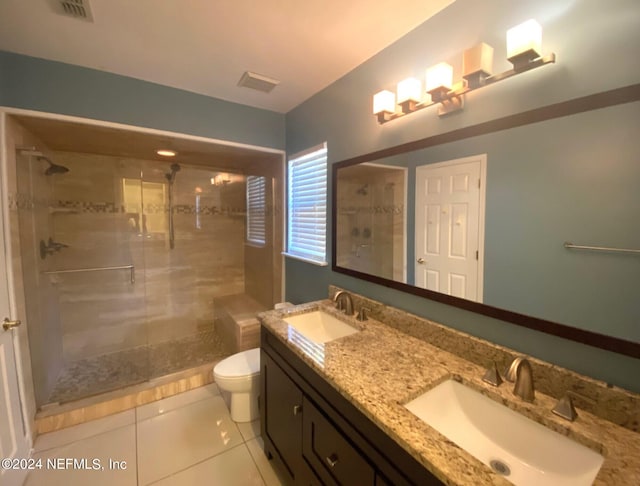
column 482, row 158
column 5, row 248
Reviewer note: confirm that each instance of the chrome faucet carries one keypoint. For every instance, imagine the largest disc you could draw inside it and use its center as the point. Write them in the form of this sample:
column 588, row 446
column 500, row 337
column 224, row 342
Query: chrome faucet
column 521, row 373
column 344, row 302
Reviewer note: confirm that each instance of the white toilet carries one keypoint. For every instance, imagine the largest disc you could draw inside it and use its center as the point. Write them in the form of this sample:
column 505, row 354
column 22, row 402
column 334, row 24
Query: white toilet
column 239, row 375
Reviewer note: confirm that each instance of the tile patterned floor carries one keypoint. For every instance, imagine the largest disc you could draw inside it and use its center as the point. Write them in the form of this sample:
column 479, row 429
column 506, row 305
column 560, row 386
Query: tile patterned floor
column 113, row 371
column 188, row 439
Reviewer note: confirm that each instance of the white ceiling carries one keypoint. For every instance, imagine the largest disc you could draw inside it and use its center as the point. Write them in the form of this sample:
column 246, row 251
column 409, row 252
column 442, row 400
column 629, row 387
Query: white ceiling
column 204, row 46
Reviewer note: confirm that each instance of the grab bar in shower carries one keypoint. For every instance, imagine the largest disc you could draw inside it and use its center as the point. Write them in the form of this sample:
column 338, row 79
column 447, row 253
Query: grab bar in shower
column 599, row 248
column 97, row 269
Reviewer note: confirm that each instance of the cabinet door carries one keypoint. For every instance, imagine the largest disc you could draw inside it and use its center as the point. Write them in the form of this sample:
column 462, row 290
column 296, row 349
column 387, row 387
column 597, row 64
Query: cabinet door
column 331, row 455
column 282, row 415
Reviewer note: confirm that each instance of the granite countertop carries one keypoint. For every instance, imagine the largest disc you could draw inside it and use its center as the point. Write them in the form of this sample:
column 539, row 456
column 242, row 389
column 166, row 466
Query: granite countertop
column 379, row 369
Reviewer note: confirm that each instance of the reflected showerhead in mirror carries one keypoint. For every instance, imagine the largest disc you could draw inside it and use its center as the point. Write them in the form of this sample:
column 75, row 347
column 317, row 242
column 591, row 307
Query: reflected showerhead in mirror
column 172, row 175
column 53, row 168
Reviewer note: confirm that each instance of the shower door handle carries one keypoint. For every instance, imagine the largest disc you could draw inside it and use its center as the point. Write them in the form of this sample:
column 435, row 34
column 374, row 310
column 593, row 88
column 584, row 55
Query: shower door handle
column 9, row 324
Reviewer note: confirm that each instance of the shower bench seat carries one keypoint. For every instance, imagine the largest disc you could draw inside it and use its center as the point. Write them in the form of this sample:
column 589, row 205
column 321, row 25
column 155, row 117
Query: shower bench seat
column 236, row 322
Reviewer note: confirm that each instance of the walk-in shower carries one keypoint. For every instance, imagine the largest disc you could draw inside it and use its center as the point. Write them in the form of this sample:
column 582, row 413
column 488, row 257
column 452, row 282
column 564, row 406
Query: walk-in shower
column 122, row 261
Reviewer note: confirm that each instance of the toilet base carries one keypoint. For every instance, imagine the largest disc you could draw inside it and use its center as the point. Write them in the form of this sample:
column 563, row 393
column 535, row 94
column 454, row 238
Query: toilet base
column 244, row 407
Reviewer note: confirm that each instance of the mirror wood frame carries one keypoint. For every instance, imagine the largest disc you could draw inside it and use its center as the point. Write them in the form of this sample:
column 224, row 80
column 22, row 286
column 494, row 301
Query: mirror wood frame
column 596, row 101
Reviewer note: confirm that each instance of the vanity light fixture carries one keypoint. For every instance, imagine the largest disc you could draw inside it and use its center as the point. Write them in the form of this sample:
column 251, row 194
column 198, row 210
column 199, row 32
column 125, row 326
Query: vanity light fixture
column 384, row 105
column 477, row 64
column 524, row 51
column 524, row 44
column 439, row 85
column 166, row 152
column 409, row 94
column 439, row 80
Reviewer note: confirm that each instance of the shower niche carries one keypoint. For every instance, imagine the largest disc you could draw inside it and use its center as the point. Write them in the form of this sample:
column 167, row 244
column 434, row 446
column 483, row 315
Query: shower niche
column 121, row 255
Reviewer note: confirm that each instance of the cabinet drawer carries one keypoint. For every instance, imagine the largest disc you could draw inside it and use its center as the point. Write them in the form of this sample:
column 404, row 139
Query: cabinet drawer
column 333, row 458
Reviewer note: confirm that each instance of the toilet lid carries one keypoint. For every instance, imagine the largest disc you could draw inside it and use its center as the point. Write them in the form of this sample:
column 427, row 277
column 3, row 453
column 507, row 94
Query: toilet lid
column 240, row 364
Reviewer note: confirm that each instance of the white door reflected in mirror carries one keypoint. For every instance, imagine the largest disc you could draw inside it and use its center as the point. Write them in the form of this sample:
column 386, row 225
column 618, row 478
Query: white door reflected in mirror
column 449, row 227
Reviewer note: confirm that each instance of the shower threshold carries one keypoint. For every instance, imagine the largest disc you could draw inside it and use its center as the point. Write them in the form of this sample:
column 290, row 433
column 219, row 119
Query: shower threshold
column 55, row 416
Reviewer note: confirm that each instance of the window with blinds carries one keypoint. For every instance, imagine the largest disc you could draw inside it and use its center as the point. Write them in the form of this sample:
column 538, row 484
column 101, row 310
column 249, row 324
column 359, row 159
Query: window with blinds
column 256, row 205
column 307, row 206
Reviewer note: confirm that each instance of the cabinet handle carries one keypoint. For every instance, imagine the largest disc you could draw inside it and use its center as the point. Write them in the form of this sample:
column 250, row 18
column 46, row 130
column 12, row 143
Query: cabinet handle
column 297, row 409
column 332, row 460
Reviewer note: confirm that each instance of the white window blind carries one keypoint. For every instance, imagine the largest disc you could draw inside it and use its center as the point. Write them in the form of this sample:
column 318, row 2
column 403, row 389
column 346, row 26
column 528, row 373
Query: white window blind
column 307, row 206
column 256, row 204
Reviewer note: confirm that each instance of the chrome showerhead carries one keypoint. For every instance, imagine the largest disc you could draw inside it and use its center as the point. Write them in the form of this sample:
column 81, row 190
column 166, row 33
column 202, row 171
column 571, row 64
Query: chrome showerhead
column 170, row 176
column 53, row 168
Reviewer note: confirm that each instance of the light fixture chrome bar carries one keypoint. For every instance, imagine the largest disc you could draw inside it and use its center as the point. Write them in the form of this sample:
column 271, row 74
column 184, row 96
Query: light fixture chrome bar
column 454, row 97
column 541, row 61
column 570, row 245
column 96, row 269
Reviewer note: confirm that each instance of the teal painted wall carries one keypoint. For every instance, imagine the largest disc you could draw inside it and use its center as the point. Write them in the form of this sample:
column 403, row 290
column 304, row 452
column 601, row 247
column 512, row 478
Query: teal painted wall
column 585, row 35
column 37, row 84
column 569, row 179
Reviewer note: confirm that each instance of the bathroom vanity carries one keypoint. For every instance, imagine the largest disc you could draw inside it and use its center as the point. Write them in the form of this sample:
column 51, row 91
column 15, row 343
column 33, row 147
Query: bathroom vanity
column 333, row 409
column 316, row 436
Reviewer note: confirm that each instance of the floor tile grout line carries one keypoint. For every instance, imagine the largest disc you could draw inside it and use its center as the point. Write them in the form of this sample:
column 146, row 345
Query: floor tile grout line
column 264, row 481
column 174, row 409
column 134, row 422
column 197, row 463
column 65, row 444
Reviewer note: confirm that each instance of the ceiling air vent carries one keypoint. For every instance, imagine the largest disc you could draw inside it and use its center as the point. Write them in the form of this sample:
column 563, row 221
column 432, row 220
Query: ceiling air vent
column 78, row 9
column 257, row 81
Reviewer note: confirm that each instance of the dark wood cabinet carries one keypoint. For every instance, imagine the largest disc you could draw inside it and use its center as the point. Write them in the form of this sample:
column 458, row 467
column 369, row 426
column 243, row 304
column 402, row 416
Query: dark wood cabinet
column 282, row 403
column 330, row 454
column 317, row 437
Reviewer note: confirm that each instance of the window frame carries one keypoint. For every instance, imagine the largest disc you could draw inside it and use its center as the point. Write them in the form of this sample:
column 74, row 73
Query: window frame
column 256, row 211
column 296, row 241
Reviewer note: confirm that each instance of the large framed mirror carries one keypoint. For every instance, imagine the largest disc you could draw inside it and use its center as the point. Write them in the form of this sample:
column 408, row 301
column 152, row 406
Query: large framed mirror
column 533, row 219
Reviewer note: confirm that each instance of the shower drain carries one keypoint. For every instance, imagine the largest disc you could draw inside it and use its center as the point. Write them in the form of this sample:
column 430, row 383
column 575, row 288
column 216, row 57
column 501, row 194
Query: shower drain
column 500, row 467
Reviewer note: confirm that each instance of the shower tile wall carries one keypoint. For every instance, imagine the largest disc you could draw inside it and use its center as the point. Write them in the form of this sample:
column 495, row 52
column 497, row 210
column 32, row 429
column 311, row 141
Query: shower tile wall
column 101, row 311
column 371, row 221
column 114, row 211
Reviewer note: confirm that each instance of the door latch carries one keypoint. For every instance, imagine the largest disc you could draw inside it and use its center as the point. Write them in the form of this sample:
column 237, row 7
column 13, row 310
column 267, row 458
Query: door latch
column 9, row 324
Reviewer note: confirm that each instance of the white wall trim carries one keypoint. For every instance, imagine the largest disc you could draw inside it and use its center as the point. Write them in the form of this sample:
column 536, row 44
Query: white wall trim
column 134, row 128
column 4, row 208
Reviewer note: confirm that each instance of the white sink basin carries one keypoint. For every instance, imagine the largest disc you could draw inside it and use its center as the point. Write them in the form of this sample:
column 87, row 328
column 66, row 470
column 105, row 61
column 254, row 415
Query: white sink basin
column 319, row 326
column 533, row 455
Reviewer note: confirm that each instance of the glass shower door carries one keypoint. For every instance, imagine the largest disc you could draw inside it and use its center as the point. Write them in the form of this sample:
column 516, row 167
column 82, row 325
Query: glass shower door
column 90, row 269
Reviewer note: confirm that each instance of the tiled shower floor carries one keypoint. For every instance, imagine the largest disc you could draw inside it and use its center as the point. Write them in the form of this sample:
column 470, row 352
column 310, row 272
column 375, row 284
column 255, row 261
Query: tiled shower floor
column 108, row 372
